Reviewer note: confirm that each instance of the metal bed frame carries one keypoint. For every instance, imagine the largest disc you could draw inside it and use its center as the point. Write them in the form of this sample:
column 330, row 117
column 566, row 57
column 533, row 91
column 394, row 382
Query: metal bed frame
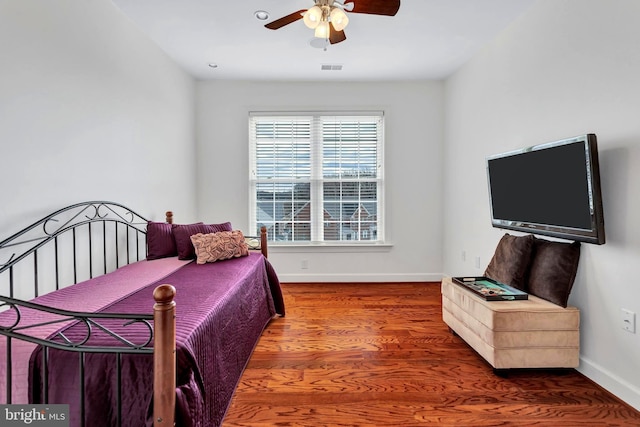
column 92, row 225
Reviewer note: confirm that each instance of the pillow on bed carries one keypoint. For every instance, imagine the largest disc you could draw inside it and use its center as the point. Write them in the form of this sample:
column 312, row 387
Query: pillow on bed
column 553, row 270
column 219, row 246
column 160, row 243
column 182, row 234
column 511, row 260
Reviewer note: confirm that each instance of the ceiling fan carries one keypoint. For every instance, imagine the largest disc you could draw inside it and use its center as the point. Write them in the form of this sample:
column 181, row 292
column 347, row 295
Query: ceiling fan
column 328, row 17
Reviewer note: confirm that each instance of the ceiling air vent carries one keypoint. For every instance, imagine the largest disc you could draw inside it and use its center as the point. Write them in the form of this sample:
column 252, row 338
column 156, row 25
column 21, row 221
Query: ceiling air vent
column 329, row 67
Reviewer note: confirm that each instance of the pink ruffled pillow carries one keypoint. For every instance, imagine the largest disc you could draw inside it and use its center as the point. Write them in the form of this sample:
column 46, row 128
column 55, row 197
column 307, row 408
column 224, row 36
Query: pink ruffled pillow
column 214, row 247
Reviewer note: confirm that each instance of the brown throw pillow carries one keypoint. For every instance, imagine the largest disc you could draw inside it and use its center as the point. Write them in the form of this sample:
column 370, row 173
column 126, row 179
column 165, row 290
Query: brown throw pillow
column 553, row 270
column 219, row 246
column 510, row 261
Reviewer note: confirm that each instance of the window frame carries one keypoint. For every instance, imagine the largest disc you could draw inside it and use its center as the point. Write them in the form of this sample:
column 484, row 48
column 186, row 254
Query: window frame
column 317, row 199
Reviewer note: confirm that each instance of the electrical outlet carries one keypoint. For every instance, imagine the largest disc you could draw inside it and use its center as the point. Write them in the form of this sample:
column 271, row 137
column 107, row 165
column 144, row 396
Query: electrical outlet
column 304, row 264
column 477, row 262
column 463, row 256
column 629, row 321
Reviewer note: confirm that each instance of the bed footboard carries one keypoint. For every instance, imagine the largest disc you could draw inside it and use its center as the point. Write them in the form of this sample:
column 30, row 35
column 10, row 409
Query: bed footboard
column 164, row 356
column 163, row 333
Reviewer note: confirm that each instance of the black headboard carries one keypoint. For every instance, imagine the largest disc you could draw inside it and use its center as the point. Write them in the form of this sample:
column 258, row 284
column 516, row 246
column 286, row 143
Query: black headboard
column 75, row 243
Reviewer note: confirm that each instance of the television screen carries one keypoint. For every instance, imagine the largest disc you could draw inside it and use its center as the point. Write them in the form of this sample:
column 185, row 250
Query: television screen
column 550, row 189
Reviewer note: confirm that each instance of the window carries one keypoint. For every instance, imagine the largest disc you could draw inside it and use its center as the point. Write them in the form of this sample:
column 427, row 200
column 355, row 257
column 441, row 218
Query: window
column 317, row 177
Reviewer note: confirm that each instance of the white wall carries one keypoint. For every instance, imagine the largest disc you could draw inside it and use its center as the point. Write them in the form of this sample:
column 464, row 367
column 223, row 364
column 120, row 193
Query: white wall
column 90, row 109
column 567, row 67
column 414, row 122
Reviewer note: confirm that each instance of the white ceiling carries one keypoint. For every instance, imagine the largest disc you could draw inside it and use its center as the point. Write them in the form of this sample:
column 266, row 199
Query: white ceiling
column 427, row 39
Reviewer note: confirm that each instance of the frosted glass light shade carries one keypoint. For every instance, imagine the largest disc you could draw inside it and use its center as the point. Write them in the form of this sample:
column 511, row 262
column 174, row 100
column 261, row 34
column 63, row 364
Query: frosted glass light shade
column 339, row 19
column 322, row 30
column 312, row 17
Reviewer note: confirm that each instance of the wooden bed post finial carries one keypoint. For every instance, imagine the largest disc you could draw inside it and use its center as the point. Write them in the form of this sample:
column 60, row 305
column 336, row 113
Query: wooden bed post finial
column 164, row 356
column 169, row 217
column 263, row 241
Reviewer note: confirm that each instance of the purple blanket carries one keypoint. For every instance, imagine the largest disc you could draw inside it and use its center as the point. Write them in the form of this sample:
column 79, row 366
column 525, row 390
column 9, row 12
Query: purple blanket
column 222, row 309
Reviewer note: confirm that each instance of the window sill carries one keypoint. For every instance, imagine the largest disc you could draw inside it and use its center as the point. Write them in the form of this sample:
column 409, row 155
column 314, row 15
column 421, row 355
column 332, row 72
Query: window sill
column 329, row 247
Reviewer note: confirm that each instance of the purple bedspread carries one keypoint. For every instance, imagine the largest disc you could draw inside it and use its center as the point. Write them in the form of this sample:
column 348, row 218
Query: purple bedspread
column 221, row 310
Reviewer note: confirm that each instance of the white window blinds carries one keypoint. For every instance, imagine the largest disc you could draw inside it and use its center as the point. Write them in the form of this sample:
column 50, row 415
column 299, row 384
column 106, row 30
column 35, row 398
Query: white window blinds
column 317, row 177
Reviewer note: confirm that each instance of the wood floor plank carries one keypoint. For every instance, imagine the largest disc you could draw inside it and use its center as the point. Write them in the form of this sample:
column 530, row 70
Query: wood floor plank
column 380, row 355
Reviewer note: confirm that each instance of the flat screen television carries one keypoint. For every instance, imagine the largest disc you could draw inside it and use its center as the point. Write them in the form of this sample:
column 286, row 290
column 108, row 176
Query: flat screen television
column 551, row 189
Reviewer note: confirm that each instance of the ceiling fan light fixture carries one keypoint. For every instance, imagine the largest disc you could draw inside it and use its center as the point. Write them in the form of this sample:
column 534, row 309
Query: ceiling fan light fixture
column 312, row 17
column 339, row 19
column 328, row 18
column 322, row 30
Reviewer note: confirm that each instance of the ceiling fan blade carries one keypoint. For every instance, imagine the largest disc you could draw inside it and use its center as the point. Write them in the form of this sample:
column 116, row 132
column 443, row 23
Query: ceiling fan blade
column 376, row 7
column 336, row 36
column 285, row 20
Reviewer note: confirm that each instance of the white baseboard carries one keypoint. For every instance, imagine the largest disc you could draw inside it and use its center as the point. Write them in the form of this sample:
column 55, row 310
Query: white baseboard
column 356, row 278
column 610, row 382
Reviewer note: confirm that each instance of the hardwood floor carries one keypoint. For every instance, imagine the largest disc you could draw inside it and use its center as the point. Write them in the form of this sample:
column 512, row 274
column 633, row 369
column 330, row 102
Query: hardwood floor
column 380, row 355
